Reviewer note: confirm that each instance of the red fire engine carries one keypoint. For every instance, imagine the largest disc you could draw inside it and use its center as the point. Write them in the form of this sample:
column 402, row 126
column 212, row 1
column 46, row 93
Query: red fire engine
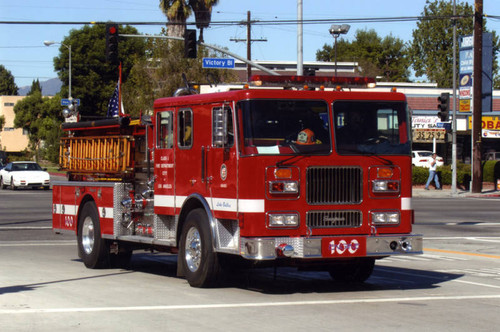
column 309, row 178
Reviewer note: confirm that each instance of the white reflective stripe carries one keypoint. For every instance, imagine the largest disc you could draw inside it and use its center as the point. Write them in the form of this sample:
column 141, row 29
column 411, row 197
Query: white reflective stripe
column 164, row 200
column 105, row 212
column 251, row 205
column 215, row 203
column 66, row 209
column 179, row 200
column 406, row 203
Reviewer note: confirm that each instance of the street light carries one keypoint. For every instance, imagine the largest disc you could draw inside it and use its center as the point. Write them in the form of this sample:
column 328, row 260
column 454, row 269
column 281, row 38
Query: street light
column 336, row 31
column 49, row 43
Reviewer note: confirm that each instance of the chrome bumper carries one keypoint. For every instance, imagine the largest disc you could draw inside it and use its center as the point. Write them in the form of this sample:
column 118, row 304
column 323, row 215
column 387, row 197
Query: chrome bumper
column 311, row 248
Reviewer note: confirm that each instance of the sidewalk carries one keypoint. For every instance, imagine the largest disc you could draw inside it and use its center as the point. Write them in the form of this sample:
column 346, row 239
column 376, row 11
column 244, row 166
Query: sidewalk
column 489, row 190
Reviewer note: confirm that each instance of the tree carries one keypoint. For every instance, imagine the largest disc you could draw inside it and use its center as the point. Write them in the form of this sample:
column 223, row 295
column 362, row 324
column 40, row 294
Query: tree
column 178, row 11
column 431, row 51
column 94, row 80
column 384, row 58
column 202, row 13
column 41, row 117
column 161, row 75
column 7, row 85
column 35, row 86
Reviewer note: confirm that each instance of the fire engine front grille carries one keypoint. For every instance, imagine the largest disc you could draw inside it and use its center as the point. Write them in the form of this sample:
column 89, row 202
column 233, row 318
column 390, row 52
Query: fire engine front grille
column 334, row 219
column 334, row 185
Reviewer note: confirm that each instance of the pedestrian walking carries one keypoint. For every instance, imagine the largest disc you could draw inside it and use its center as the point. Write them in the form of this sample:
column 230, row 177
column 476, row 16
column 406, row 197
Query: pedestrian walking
column 433, row 174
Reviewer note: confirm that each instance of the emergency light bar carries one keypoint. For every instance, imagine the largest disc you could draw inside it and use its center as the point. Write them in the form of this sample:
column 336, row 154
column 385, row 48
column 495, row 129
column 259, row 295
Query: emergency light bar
column 326, row 81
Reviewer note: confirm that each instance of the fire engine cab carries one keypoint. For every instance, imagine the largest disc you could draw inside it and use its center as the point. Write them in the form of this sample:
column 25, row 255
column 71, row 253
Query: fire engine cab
column 316, row 178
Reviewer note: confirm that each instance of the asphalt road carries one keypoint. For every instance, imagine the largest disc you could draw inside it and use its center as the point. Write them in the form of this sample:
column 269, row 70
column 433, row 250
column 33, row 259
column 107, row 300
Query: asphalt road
column 454, row 286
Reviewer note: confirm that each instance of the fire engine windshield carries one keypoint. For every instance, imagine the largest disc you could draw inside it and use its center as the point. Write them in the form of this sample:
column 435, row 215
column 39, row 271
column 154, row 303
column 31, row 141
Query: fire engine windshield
column 285, row 126
column 371, row 127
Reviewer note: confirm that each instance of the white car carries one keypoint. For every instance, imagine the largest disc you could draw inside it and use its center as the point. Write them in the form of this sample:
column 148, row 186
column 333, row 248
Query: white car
column 421, row 158
column 24, row 174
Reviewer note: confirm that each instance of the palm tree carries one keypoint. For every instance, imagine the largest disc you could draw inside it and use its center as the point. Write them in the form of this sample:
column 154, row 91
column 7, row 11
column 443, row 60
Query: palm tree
column 202, row 13
column 177, row 11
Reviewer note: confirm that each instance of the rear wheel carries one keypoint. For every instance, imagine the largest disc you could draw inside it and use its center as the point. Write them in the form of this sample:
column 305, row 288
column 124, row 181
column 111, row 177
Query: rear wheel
column 355, row 271
column 92, row 249
column 199, row 260
column 12, row 186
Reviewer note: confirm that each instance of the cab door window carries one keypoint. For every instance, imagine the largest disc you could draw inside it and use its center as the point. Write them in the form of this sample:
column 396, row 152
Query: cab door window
column 165, row 134
column 185, row 128
column 222, row 127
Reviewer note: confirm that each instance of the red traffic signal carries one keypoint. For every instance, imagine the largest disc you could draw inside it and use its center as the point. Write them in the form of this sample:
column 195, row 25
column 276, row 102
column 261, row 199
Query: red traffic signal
column 112, row 43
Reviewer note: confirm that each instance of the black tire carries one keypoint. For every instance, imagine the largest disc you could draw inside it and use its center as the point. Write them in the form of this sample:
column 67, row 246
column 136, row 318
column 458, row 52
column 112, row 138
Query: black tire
column 2, row 185
column 92, row 249
column 356, row 271
column 12, row 186
column 199, row 261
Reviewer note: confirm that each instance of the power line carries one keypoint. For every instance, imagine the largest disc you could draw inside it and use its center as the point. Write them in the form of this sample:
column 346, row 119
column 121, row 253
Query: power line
column 262, row 22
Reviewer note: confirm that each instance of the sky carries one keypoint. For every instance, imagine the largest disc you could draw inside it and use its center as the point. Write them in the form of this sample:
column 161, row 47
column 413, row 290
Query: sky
column 22, row 51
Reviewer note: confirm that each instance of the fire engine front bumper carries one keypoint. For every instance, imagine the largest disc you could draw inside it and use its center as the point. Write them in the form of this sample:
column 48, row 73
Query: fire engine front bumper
column 331, row 247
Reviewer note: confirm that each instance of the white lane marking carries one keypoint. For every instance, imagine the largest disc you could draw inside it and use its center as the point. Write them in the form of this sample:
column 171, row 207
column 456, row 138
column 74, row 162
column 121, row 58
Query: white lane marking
column 13, row 228
column 35, row 244
column 250, row 305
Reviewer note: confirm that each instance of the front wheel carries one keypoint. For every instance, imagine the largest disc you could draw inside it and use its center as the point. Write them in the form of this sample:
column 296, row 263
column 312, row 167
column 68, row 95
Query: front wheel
column 199, row 260
column 92, row 249
column 356, row 271
column 2, row 185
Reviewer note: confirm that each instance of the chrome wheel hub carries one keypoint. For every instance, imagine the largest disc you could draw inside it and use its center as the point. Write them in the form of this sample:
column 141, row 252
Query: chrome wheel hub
column 193, row 249
column 88, row 235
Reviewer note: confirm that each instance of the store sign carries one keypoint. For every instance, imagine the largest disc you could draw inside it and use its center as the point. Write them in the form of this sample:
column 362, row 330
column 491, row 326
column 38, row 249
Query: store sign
column 490, row 126
column 426, row 129
column 428, row 135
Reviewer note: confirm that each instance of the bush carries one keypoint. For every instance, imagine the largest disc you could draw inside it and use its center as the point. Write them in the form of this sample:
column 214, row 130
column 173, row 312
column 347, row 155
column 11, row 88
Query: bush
column 489, row 170
column 420, row 174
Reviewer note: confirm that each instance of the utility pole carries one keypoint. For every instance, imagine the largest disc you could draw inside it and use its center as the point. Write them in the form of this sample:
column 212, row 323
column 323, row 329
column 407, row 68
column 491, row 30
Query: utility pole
column 477, row 95
column 300, row 50
column 249, row 41
column 455, row 102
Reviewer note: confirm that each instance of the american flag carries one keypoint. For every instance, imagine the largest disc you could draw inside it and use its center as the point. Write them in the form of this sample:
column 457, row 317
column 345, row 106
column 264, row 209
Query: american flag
column 113, row 108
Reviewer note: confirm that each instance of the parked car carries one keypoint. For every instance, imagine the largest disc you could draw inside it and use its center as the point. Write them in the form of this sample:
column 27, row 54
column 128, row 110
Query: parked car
column 24, row 174
column 491, row 156
column 421, row 158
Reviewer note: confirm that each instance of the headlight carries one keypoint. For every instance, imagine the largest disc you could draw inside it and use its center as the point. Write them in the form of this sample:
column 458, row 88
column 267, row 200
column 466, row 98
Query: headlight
column 283, row 220
column 390, row 186
column 283, row 187
column 385, row 218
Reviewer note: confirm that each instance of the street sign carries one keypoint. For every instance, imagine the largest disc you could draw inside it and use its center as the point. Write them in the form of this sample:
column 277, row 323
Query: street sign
column 218, row 63
column 444, row 125
column 67, row 101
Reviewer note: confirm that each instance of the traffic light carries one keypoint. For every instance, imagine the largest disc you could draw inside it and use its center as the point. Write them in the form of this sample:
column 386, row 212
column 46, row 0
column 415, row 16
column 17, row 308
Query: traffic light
column 190, row 43
column 444, row 106
column 112, row 43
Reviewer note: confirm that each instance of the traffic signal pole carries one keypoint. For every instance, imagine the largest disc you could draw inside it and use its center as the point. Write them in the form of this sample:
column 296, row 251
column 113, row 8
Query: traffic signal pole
column 256, row 65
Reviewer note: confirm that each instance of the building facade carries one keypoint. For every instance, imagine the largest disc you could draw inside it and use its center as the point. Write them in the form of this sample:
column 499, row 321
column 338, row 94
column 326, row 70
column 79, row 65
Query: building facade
column 12, row 140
